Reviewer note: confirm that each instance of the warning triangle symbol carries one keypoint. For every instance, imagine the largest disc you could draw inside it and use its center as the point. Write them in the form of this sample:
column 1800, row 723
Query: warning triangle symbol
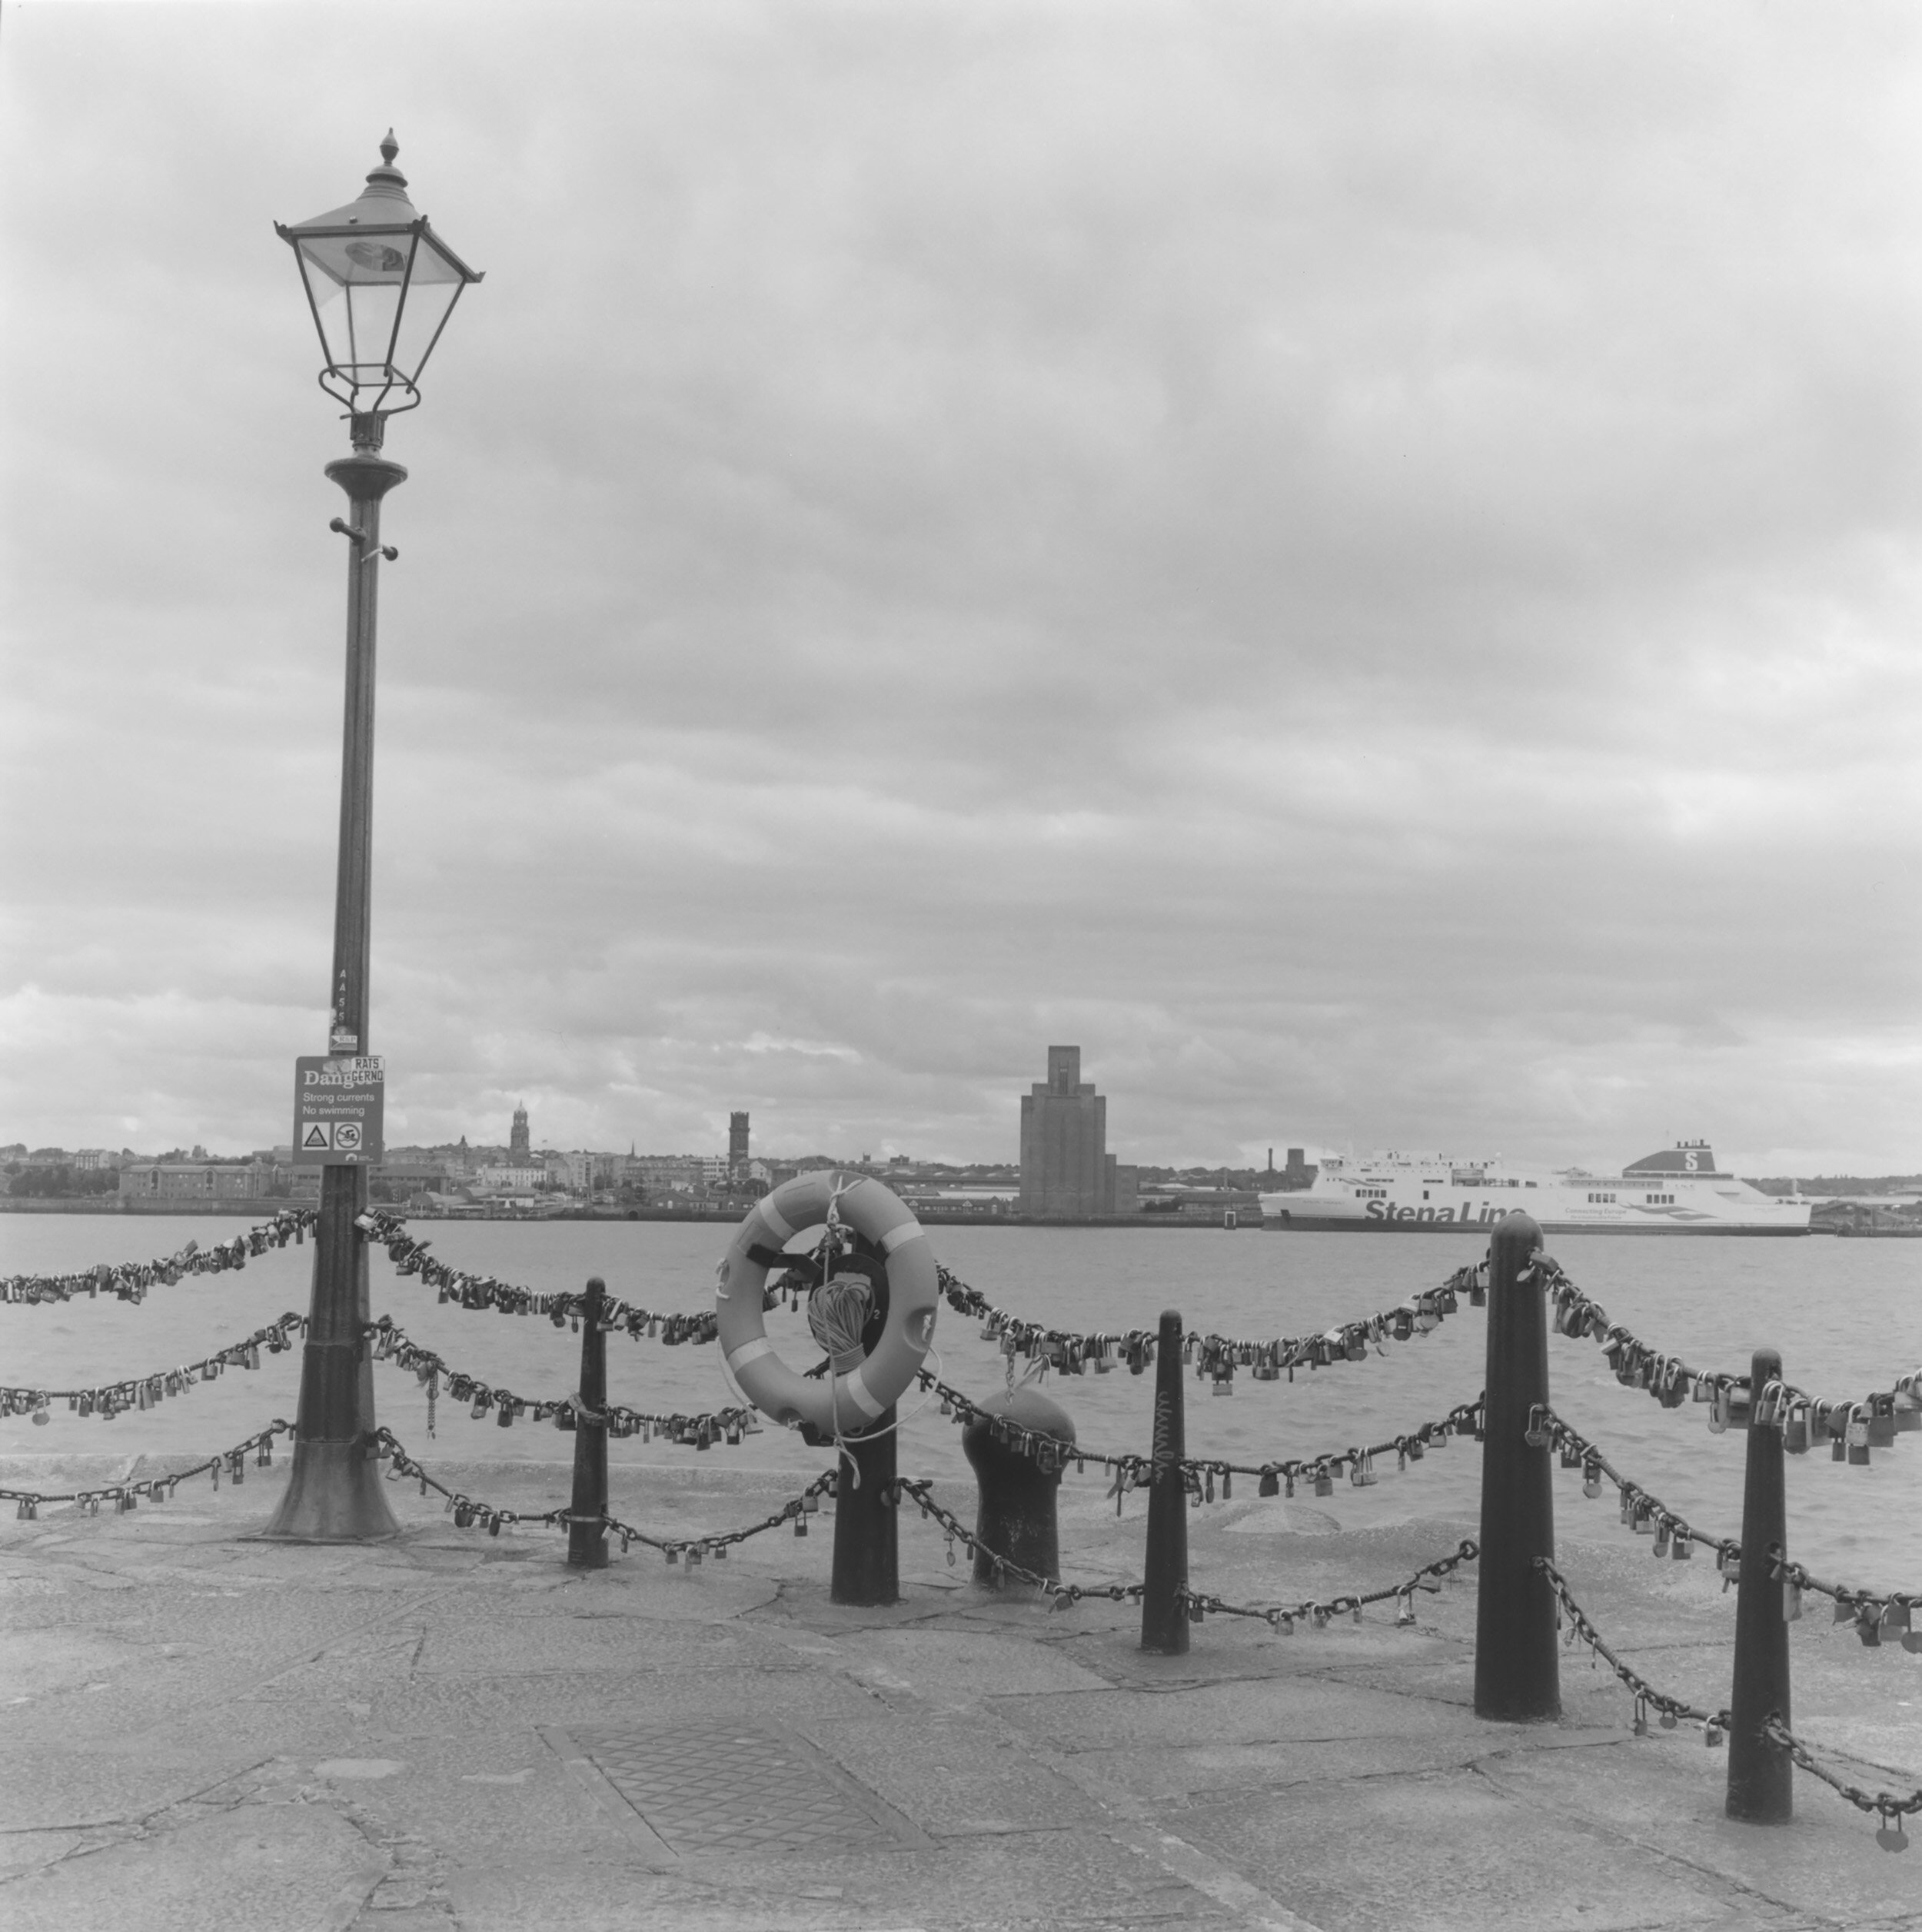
column 316, row 1136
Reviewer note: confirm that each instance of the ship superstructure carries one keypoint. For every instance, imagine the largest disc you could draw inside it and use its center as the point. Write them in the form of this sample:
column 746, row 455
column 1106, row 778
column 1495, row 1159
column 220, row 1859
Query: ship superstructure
column 1679, row 1191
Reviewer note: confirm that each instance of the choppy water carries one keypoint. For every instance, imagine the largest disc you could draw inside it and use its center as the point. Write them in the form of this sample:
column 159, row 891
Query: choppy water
column 1844, row 1314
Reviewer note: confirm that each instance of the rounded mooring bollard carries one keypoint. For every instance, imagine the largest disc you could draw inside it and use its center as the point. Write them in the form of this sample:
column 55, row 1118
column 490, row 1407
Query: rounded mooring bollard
column 1017, row 1518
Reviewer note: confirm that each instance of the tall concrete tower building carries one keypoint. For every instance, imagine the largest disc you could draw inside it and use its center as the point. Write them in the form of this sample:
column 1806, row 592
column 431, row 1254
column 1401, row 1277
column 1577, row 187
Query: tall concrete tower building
column 517, row 1141
column 1067, row 1173
column 737, row 1143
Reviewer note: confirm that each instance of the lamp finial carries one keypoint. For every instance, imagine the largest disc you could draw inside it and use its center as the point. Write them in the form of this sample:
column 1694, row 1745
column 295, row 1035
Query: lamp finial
column 389, row 148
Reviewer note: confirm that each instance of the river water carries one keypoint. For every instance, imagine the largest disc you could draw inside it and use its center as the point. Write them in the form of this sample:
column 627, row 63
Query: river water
column 1844, row 1314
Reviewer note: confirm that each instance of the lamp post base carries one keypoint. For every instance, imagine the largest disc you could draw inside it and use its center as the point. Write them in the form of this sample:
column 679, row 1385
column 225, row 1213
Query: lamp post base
column 335, row 1494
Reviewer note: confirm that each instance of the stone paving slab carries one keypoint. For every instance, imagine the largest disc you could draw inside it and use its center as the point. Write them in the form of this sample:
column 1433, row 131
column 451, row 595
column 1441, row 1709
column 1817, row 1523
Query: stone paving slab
column 212, row 1731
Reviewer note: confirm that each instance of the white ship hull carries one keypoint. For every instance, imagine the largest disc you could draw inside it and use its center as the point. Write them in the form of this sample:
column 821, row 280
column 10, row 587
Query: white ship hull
column 1677, row 1192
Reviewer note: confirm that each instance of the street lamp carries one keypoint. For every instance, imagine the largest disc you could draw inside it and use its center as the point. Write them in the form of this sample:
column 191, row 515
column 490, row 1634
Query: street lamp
column 380, row 284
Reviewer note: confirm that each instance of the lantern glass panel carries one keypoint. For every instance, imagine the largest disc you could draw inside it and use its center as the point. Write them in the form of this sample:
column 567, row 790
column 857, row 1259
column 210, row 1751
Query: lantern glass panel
column 380, row 298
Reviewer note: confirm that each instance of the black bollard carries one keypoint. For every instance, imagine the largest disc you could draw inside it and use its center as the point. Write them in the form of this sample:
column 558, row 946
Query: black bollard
column 1016, row 1519
column 1164, row 1617
column 1760, row 1774
column 1517, row 1665
column 867, row 1559
column 588, row 1536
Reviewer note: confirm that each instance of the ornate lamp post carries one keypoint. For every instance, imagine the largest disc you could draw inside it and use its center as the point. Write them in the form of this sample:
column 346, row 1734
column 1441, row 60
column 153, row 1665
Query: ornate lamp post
column 381, row 285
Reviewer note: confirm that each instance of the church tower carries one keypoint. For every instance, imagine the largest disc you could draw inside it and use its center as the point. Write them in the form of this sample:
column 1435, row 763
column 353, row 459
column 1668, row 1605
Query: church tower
column 518, row 1146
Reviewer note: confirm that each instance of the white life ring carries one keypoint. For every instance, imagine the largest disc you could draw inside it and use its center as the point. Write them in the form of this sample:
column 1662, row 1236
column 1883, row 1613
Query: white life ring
column 836, row 1404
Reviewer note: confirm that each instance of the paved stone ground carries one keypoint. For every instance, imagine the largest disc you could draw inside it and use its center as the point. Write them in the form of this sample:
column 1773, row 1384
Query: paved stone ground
column 454, row 1731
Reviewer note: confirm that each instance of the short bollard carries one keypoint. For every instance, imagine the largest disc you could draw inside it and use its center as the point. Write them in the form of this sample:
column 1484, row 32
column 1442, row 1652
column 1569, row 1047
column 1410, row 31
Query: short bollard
column 1016, row 1519
column 1760, row 1774
column 867, row 1514
column 1164, row 1617
column 1517, row 1666
column 588, row 1533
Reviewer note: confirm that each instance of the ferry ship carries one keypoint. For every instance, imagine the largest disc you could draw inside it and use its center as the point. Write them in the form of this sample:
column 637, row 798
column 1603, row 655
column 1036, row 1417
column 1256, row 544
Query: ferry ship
column 1679, row 1191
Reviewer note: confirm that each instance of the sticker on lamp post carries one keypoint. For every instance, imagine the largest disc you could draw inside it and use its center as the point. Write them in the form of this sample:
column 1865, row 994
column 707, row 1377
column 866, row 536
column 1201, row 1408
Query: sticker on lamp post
column 337, row 1101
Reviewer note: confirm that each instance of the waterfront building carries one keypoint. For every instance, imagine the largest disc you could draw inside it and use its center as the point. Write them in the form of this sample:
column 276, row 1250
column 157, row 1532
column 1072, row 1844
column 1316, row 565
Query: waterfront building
column 1067, row 1173
column 194, row 1180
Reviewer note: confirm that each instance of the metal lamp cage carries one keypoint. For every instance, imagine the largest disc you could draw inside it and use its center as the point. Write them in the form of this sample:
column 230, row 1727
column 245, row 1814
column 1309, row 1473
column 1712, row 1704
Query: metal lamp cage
column 380, row 285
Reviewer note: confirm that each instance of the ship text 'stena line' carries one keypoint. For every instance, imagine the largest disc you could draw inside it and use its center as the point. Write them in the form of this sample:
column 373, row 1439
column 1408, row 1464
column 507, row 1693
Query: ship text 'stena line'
column 1679, row 1191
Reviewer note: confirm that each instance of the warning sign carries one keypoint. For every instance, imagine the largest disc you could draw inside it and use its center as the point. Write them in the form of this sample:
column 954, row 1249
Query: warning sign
column 337, row 1102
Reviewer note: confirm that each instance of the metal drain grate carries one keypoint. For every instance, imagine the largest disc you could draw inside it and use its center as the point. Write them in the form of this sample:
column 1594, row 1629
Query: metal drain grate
column 742, row 1789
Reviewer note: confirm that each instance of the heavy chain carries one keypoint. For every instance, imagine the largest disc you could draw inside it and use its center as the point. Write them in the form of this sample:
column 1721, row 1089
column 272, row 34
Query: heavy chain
column 1074, row 1351
column 158, row 1489
column 1319, row 1612
column 1714, row 1724
column 130, row 1280
column 1886, row 1805
column 391, row 1343
column 470, row 1514
column 107, row 1400
column 480, row 1291
column 1853, row 1426
column 1675, row 1536
column 1876, row 1613
column 1131, row 1469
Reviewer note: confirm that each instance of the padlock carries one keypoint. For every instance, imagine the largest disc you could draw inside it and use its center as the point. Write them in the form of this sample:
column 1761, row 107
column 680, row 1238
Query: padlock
column 1858, row 1436
column 1712, row 1734
column 1889, row 1834
column 1895, row 1616
column 1718, row 1413
column 800, row 1525
column 1324, row 1481
column 1791, row 1601
column 1795, row 1429
column 1270, row 1484
column 1881, row 1423
column 1403, row 1609
column 1592, row 1478
column 1536, row 1435
column 1868, row 1625
column 1682, row 1545
column 1362, row 1475
column 1661, row 1537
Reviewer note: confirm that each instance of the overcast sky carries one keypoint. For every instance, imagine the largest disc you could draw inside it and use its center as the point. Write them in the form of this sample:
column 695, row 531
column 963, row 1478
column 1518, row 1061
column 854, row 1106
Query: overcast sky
column 1361, row 562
